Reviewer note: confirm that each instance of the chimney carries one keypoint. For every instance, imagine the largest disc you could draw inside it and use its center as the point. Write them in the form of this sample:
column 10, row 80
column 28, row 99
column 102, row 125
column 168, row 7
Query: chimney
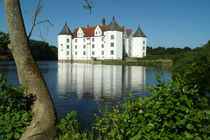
column 103, row 22
column 87, row 26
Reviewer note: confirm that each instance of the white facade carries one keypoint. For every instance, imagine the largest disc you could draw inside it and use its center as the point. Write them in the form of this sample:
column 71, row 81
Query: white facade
column 100, row 42
column 138, row 47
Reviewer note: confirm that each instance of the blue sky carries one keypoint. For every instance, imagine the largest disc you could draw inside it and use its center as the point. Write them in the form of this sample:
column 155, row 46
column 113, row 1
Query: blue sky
column 168, row 23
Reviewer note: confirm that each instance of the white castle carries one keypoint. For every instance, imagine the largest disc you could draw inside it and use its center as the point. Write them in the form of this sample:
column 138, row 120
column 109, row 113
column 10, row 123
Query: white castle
column 102, row 42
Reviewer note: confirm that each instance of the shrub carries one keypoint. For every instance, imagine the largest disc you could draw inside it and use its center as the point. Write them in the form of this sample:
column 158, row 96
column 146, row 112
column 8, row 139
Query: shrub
column 195, row 68
column 15, row 112
column 174, row 111
column 69, row 129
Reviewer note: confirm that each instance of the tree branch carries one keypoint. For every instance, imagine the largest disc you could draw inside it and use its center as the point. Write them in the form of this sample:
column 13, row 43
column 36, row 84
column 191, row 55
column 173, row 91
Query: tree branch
column 48, row 21
column 38, row 10
column 88, row 5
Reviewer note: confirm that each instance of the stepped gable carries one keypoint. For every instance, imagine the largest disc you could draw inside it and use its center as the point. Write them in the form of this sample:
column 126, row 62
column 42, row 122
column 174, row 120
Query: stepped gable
column 139, row 33
column 65, row 30
column 113, row 26
column 128, row 31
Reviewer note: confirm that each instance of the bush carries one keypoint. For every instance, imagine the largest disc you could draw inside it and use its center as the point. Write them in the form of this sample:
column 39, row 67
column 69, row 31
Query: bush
column 194, row 67
column 15, row 112
column 174, row 111
column 69, row 129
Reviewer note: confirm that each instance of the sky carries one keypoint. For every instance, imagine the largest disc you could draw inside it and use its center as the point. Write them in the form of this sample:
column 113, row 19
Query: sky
column 167, row 23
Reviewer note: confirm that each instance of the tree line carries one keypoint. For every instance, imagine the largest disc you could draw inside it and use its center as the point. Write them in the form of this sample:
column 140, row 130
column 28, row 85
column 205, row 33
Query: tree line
column 166, row 51
column 40, row 50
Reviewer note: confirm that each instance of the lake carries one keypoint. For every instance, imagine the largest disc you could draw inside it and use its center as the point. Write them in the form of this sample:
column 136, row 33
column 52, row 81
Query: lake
column 81, row 86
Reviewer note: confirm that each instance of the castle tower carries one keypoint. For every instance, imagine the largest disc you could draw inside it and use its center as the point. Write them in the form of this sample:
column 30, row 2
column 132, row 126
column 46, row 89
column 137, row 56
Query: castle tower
column 114, row 41
column 65, row 44
column 139, row 44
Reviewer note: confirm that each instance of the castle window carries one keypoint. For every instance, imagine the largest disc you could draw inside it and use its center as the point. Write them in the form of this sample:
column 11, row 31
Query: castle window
column 143, row 42
column 83, row 39
column 143, row 54
column 112, row 52
column 102, row 39
column 93, row 52
column 75, row 40
column 61, row 44
column 102, row 45
column 112, row 44
column 84, row 53
column 112, row 36
column 93, row 46
column 67, row 40
column 75, row 46
column 75, row 52
column 67, row 53
column 93, row 39
column 102, row 52
column 67, row 46
column 143, row 47
column 84, row 46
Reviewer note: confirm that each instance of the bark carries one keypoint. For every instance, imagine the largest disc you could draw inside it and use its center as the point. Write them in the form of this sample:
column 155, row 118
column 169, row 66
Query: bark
column 43, row 125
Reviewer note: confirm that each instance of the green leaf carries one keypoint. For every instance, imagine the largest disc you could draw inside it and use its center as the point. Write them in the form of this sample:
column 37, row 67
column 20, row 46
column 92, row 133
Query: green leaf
column 190, row 126
column 16, row 135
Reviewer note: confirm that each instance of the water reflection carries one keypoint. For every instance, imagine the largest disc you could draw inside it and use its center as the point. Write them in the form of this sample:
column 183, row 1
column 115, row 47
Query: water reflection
column 110, row 82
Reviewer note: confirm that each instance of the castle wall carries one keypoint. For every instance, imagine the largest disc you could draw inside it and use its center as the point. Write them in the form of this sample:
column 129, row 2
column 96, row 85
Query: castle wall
column 138, row 47
column 64, row 47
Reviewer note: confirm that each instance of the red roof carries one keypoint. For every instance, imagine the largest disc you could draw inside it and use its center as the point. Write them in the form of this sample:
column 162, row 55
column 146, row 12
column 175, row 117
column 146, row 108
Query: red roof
column 89, row 31
column 128, row 32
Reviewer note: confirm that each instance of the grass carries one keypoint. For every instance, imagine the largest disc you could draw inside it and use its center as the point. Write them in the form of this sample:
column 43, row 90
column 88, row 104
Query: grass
column 160, row 63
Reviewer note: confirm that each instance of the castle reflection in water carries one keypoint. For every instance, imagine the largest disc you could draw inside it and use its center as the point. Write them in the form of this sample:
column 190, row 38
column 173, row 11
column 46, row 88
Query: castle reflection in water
column 95, row 81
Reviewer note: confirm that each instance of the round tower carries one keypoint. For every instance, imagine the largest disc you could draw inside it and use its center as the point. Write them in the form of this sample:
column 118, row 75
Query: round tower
column 65, row 44
column 114, row 41
column 139, row 44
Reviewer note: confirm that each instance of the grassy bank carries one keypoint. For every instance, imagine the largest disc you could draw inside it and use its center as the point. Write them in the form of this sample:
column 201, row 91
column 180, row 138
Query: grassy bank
column 160, row 63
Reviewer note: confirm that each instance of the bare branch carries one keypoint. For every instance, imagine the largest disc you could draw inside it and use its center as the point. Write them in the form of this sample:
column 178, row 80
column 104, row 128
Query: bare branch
column 41, row 35
column 38, row 10
column 88, row 5
column 48, row 21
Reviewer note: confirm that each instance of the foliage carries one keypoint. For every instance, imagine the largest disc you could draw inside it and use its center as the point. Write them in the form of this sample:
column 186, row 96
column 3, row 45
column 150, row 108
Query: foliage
column 195, row 68
column 174, row 111
column 94, row 58
column 4, row 41
column 42, row 51
column 39, row 49
column 166, row 51
column 69, row 129
column 15, row 112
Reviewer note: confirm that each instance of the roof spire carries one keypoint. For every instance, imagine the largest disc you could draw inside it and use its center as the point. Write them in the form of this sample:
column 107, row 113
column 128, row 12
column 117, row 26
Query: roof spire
column 113, row 26
column 139, row 33
column 65, row 30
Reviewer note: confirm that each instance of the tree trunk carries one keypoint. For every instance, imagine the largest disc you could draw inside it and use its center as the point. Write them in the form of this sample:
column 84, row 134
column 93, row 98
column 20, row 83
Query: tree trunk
column 43, row 124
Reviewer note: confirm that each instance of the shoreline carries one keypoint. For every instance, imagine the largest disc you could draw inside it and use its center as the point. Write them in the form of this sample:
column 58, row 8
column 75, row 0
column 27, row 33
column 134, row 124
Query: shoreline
column 158, row 63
